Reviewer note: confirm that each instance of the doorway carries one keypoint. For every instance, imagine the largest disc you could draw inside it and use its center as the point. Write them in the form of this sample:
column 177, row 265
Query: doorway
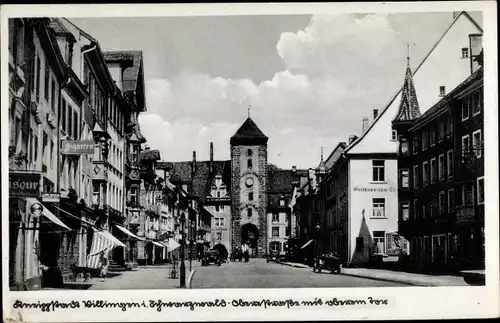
column 250, row 235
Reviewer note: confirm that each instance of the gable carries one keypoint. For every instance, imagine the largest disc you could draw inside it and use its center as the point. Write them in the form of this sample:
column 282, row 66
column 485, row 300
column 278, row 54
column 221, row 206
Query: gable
column 443, row 66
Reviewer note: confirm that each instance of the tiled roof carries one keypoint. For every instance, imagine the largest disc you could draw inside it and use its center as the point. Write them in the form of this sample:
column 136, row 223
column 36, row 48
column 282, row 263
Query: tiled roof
column 248, row 133
column 131, row 74
column 281, row 181
column 408, row 108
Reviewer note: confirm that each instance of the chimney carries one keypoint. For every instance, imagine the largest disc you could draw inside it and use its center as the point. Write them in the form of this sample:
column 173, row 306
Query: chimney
column 375, row 114
column 211, row 152
column 146, row 147
column 294, row 168
column 352, row 138
column 365, row 125
column 194, row 163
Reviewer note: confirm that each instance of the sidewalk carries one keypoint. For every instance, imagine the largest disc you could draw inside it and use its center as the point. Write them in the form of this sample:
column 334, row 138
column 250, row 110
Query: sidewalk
column 396, row 276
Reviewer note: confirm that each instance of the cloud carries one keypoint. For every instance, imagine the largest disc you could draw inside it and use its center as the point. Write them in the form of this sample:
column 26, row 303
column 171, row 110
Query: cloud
column 338, row 69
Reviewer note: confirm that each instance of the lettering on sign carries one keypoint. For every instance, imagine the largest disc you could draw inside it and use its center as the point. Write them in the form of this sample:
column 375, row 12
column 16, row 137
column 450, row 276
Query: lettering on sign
column 51, row 197
column 378, row 189
column 24, row 184
column 78, row 147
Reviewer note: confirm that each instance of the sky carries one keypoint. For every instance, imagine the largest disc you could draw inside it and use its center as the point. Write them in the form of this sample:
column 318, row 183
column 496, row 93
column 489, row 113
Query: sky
column 308, row 80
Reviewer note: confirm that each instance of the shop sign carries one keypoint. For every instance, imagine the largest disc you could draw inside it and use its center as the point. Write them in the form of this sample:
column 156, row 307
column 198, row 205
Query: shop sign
column 378, row 189
column 51, row 197
column 24, row 184
column 78, row 147
column 396, row 245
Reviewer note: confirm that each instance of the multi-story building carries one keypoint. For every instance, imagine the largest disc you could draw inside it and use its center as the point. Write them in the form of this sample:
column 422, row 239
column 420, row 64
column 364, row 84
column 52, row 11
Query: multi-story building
column 441, row 182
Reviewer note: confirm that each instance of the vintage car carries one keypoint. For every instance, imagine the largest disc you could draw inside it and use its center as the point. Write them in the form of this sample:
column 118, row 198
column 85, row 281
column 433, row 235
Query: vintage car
column 273, row 255
column 329, row 261
column 211, row 257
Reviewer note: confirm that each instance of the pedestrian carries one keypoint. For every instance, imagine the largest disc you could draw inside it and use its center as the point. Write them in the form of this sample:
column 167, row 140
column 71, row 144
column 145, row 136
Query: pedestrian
column 104, row 264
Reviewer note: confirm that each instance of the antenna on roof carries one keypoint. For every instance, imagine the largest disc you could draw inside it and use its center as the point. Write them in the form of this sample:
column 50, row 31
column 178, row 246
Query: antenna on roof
column 408, row 57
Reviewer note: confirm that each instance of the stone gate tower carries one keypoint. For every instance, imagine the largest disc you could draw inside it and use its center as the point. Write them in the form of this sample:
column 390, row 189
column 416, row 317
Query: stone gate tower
column 248, row 186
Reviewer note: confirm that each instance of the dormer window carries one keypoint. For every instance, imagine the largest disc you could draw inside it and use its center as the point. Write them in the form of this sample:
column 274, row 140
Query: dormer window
column 442, row 90
column 394, row 135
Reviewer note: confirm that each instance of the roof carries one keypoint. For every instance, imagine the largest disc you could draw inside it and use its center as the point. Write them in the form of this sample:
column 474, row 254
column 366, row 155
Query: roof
column 249, row 134
column 130, row 74
column 150, row 155
column 335, row 154
column 441, row 104
column 60, row 29
column 281, row 181
column 203, row 177
column 387, row 106
column 408, row 107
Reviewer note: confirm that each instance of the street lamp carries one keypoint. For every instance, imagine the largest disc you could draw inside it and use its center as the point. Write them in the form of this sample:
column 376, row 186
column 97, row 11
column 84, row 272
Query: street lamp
column 183, row 266
column 317, row 227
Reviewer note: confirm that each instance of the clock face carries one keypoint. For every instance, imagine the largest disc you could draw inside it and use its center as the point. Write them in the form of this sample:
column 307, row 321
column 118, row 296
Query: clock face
column 249, row 181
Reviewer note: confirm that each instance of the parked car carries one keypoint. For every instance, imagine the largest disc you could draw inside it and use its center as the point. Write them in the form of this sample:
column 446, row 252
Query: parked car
column 211, row 257
column 330, row 262
column 272, row 256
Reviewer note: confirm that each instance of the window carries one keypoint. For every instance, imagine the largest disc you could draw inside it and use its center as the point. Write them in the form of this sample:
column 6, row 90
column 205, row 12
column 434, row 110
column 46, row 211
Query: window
column 249, row 152
column 442, row 90
column 378, row 170
column 218, row 193
column 282, row 202
column 416, row 177
column 425, row 139
column 47, row 82
column 70, row 121
column 379, row 242
column 38, row 71
column 36, row 149
column 465, row 110
column 405, row 211
column 133, row 195
column 425, row 173
column 53, row 96
column 449, row 127
column 403, row 146
column 480, row 190
column 451, row 200
column 219, row 222
column 424, row 211
column 478, row 101
column 275, row 232
column 432, row 136
column 275, row 246
column 415, row 208
column 460, row 196
column 394, row 135
column 433, row 170
column 449, row 163
column 378, row 207
column 465, row 145
column 249, row 164
column 465, row 52
column 441, row 131
column 217, row 208
column 468, row 194
column 441, row 167
column 276, row 217
column 249, row 212
column 75, row 124
column 52, row 147
column 404, row 178
column 476, row 143
column 416, row 146
column 442, row 205
column 359, row 244
column 250, row 196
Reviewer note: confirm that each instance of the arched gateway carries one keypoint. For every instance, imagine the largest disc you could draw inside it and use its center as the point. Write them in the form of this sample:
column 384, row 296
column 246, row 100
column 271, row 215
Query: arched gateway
column 250, row 236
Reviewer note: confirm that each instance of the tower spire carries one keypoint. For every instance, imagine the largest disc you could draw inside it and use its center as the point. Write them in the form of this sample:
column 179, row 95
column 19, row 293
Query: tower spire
column 249, row 106
column 321, row 152
column 408, row 107
column 408, row 56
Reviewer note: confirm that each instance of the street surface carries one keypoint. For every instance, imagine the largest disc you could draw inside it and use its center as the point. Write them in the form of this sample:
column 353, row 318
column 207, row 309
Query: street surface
column 254, row 274
column 259, row 274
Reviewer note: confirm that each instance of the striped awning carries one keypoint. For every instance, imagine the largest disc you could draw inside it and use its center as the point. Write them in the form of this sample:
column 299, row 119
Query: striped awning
column 127, row 232
column 102, row 241
column 158, row 244
column 171, row 244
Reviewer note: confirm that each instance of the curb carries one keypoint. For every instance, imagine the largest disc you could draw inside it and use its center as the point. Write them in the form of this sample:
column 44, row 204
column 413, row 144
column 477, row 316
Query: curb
column 386, row 280
column 190, row 278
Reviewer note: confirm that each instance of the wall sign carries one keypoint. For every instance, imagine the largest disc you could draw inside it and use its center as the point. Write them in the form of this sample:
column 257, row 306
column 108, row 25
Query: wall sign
column 78, row 147
column 379, row 189
column 24, row 184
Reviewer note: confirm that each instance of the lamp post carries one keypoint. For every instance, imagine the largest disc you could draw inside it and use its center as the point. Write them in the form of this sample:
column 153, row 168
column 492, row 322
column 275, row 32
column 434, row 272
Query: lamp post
column 183, row 266
column 317, row 227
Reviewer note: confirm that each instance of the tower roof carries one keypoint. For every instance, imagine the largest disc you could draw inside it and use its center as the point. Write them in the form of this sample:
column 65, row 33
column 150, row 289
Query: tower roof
column 249, row 134
column 408, row 108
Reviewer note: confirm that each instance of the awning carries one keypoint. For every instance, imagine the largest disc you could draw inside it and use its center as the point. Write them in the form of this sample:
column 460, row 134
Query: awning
column 172, row 244
column 102, row 241
column 158, row 244
column 127, row 232
column 306, row 244
column 45, row 212
column 110, row 237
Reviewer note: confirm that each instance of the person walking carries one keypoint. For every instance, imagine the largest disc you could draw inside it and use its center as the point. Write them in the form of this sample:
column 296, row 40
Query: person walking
column 103, row 258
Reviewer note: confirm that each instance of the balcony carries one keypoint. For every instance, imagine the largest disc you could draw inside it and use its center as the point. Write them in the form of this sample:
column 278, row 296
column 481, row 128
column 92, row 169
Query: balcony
column 99, row 171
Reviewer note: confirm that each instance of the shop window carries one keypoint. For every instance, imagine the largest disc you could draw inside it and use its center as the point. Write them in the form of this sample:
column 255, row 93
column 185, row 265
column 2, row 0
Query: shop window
column 378, row 170
column 379, row 242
